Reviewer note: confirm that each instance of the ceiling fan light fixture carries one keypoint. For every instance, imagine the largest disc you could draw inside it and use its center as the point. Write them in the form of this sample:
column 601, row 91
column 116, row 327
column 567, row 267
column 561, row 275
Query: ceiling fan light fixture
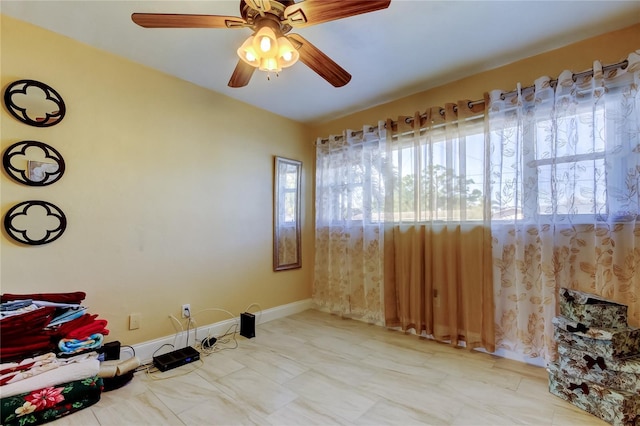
column 270, row 65
column 267, row 51
column 265, row 42
column 248, row 54
column 287, row 54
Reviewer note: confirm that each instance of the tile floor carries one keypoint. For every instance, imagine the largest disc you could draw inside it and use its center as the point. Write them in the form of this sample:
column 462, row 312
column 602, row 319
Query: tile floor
column 313, row 368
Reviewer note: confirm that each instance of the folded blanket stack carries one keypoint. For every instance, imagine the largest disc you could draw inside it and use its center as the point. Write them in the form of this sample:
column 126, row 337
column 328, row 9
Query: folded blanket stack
column 46, row 404
column 48, row 361
column 33, row 324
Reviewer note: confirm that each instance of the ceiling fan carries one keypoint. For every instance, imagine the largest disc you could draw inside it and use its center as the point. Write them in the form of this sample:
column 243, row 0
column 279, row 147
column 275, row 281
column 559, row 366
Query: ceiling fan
column 270, row 48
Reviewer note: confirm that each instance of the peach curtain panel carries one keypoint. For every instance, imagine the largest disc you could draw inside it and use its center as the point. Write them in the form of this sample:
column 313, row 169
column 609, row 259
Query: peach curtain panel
column 564, row 180
column 438, row 267
column 443, row 282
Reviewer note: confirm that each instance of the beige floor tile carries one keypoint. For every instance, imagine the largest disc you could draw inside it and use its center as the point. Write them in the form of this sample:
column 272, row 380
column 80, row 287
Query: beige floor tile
column 222, row 410
column 130, row 390
column 474, row 366
column 520, row 368
column 313, row 368
column 575, row 416
column 254, row 390
column 143, row 409
column 479, row 417
column 266, row 338
column 331, row 397
column 298, row 329
column 340, row 368
column 390, row 413
column 340, row 345
column 419, row 392
column 300, row 412
column 185, row 388
column 79, row 418
column 491, row 400
column 217, row 365
column 272, row 365
column 384, row 361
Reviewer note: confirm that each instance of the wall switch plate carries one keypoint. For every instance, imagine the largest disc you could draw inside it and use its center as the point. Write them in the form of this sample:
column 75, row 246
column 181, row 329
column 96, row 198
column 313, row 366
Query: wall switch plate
column 134, row 321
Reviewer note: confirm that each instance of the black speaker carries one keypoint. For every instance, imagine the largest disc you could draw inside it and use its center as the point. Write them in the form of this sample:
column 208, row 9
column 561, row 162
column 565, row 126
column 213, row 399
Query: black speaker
column 247, row 325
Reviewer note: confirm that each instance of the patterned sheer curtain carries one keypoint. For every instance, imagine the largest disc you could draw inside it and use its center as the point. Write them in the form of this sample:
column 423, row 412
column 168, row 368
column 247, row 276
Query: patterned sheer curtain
column 564, row 181
column 348, row 276
column 437, row 235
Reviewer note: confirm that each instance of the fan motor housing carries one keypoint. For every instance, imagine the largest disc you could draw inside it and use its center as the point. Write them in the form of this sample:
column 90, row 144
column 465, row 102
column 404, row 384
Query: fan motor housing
column 252, row 16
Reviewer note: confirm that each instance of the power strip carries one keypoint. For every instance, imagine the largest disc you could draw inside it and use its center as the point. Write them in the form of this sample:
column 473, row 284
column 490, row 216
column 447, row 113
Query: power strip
column 176, row 358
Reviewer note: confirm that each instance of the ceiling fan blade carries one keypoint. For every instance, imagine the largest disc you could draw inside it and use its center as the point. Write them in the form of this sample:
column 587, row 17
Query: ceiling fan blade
column 169, row 20
column 312, row 12
column 241, row 75
column 324, row 66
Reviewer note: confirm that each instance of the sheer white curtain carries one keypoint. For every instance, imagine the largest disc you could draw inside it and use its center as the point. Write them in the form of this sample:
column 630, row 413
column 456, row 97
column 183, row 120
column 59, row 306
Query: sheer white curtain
column 564, row 176
column 349, row 197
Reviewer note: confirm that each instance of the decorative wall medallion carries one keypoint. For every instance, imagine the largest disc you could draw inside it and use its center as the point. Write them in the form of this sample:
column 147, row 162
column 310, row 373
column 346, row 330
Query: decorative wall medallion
column 33, row 163
column 34, row 103
column 35, row 222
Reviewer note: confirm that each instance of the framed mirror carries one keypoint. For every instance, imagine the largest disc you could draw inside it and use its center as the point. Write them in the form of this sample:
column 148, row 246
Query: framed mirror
column 35, row 222
column 33, row 163
column 34, row 103
column 286, row 213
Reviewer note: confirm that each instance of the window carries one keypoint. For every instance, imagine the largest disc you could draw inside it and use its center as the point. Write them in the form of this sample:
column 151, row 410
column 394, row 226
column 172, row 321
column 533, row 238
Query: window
column 349, row 183
column 578, row 165
column 440, row 177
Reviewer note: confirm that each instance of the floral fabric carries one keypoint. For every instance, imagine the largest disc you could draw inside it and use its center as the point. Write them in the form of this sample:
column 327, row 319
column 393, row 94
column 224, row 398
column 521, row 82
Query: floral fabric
column 564, row 173
column 47, row 404
column 590, row 361
column 622, row 374
column 287, row 245
column 591, row 310
column 598, row 368
column 617, row 407
column 348, row 277
column 607, row 343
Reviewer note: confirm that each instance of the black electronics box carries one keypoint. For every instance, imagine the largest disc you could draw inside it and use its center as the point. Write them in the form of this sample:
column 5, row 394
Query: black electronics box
column 247, row 325
column 111, row 351
column 176, row 358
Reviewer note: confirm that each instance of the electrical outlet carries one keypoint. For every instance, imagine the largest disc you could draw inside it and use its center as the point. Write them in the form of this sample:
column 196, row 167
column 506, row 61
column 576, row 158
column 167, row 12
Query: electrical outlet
column 134, row 321
column 186, row 310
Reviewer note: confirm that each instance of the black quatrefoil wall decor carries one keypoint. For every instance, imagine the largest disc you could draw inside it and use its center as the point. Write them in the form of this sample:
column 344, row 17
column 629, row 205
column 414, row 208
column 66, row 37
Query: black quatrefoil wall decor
column 35, row 222
column 19, row 163
column 34, row 103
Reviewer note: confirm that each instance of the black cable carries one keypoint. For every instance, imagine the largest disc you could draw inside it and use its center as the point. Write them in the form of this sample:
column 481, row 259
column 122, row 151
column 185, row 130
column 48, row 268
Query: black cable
column 166, row 344
column 130, row 347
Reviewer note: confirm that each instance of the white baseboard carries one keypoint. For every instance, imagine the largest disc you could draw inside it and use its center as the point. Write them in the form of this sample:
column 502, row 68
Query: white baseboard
column 146, row 350
column 504, row 353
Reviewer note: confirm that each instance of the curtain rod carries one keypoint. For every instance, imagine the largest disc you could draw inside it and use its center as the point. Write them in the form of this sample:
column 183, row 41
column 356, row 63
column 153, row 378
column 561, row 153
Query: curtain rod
column 470, row 104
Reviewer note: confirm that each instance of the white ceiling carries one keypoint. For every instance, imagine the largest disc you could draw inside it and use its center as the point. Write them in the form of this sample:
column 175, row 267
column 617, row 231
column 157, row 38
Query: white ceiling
column 410, row 47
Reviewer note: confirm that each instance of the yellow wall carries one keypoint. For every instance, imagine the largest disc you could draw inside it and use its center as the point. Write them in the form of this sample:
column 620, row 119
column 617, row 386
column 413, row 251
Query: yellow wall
column 167, row 192
column 608, row 48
